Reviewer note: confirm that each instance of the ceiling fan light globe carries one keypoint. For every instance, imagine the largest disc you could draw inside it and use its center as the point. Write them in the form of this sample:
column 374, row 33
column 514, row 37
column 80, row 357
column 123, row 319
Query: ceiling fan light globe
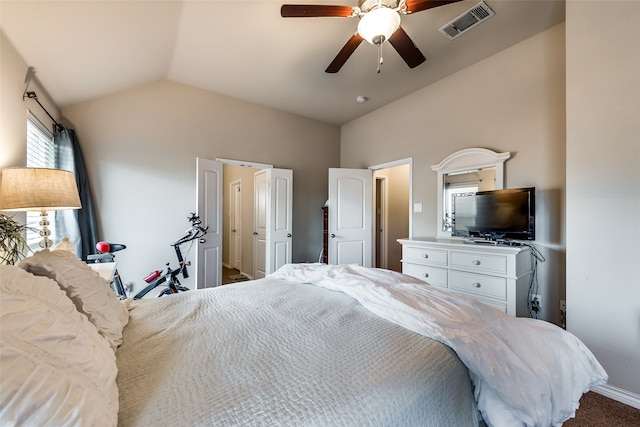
column 378, row 25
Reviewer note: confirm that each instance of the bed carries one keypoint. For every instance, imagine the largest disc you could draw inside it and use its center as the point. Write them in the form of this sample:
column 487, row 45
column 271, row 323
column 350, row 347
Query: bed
column 310, row 345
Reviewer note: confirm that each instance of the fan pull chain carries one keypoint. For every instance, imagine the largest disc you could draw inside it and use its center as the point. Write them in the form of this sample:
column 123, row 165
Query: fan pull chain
column 380, row 60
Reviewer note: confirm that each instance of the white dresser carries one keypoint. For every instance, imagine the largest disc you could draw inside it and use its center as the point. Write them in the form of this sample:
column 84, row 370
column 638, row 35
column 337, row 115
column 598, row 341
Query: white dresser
column 493, row 274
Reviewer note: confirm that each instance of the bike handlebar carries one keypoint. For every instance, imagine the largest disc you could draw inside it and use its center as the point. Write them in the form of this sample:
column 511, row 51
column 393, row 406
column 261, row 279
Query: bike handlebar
column 195, row 232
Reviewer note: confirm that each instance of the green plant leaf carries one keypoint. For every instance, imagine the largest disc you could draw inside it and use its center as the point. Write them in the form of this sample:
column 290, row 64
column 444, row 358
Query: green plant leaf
column 12, row 240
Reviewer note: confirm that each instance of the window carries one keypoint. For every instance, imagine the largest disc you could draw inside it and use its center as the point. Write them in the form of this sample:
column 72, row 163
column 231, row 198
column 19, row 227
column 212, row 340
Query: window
column 450, row 193
column 40, row 154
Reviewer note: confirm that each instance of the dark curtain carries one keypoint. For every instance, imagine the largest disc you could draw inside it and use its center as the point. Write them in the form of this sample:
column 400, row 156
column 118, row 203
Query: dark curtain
column 80, row 224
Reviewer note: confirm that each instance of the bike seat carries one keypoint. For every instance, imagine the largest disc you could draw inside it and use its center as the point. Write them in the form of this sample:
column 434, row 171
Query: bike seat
column 106, row 247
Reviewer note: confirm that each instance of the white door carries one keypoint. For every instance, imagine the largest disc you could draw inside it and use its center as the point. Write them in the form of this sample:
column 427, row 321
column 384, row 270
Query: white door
column 280, row 224
column 235, row 225
column 350, row 216
column 260, row 206
column 273, row 224
column 209, row 209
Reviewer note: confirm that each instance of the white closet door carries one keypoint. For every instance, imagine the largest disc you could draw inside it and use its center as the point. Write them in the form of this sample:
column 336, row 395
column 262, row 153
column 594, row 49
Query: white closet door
column 350, row 216
column 209, row 203
column 280, row 232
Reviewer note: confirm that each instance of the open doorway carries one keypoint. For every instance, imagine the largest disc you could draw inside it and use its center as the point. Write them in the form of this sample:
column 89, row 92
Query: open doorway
column 276, row 215
column 226, row 187
column 237, row 235
column 392, row 214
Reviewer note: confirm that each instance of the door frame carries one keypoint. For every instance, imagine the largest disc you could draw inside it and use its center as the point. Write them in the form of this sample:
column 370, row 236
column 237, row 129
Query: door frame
column 244, row 163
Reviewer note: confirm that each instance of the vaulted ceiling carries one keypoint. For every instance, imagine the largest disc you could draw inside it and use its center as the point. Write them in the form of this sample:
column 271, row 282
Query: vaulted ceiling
column 86, row 49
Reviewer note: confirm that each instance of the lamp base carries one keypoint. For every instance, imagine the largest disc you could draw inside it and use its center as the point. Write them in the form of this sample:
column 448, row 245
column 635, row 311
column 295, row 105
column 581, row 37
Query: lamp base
column 45, row 232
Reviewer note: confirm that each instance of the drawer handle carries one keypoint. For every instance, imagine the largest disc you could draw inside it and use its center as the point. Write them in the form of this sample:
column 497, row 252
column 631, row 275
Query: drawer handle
column 475, row 262
column 425, row 256
column 477, row 284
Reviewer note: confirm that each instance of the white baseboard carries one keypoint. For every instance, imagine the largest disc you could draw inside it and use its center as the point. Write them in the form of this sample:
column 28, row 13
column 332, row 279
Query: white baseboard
column 618, row 394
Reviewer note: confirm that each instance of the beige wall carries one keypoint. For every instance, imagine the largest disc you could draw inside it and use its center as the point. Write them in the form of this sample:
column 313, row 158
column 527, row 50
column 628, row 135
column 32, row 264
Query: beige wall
column 13, row 108
column 603, row 185
column 13, row 112
column 141, row 147
column 513, row 101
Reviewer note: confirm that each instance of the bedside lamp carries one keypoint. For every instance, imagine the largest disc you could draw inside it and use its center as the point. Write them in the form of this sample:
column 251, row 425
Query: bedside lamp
column 40, row 190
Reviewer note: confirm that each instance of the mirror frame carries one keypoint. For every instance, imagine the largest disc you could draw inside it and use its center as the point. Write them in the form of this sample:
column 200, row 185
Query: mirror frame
column 467, row 160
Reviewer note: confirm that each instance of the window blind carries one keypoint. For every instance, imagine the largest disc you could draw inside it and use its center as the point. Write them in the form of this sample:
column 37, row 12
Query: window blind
column 40, row 152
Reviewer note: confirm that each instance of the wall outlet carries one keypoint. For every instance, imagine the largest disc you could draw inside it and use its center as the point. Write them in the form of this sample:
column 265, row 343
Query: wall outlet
column 536, row 302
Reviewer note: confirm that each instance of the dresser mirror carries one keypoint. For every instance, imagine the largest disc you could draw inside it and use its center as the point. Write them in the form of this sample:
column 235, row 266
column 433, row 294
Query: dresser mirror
column 466, row 171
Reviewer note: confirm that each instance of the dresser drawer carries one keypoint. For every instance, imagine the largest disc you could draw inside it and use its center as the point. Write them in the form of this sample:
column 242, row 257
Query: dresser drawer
column 432, row 256
column 433, row 275
column 494, row 287
column 479, row 262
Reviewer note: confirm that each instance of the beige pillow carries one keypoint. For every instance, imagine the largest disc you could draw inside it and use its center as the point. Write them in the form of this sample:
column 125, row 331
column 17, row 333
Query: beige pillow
column 56, row 368
column 89, row 292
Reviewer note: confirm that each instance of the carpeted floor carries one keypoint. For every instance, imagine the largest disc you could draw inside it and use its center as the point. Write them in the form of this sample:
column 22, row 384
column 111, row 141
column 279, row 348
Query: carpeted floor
column 598, row 411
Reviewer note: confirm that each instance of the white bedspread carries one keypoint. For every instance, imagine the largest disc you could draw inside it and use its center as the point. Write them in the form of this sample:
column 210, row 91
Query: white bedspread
column 276, row 353
column 525, row 371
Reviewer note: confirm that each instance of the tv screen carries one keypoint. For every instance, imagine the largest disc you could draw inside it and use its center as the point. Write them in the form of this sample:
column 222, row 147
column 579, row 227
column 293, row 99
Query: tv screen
column 498, row 214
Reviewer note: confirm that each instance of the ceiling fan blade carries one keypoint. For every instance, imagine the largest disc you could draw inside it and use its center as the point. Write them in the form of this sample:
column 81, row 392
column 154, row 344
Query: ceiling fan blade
column 414, row 6
column 401, row 41
column 313, row 11
column 344, row 54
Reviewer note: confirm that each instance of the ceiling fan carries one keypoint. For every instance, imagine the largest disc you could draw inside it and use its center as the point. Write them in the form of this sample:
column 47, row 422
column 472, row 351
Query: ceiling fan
column 379, row 22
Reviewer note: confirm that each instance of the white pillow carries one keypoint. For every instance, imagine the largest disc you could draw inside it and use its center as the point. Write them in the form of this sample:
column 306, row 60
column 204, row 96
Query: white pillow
column 56, row 368
column 89, row 292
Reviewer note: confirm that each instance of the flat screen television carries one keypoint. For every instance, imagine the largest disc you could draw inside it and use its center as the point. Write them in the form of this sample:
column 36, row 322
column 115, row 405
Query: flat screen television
column 496, row 215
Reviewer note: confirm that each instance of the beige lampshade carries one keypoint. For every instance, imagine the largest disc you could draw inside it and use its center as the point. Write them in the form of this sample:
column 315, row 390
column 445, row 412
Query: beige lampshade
column 38, row 189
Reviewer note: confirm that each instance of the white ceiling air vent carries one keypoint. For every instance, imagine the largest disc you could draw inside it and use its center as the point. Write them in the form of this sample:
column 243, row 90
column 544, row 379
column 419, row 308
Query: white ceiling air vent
column 467, row 20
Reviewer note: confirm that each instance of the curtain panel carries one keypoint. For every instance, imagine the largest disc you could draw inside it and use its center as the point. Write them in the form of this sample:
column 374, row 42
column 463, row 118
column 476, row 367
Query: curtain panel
column 80, row 225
